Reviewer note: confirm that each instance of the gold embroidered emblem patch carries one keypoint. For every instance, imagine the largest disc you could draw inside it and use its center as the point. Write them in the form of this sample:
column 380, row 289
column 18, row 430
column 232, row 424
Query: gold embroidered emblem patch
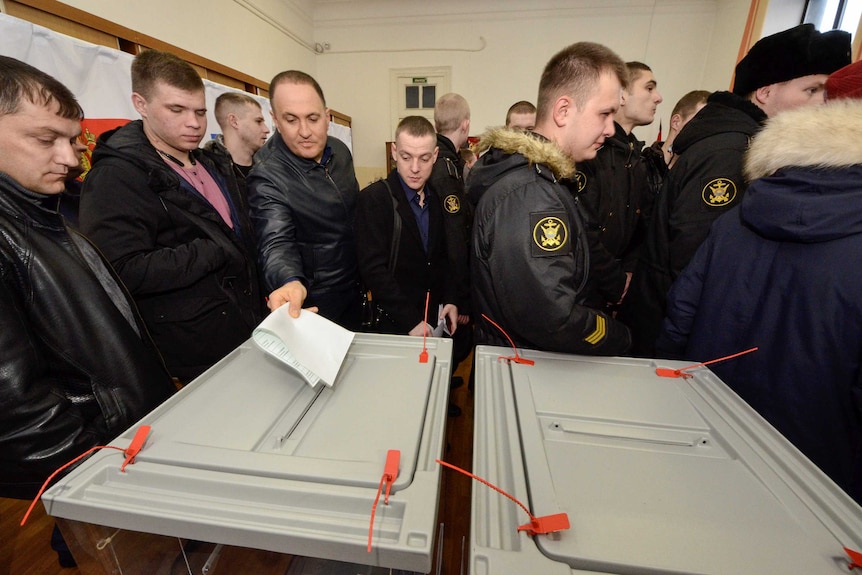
column 452, row 204
column 719, row 192
column 580, row 179
column 550, row 234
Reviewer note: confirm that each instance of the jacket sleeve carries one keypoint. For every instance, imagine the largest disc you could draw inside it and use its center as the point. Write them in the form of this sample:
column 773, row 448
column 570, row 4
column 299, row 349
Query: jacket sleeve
column 40, row 429
column 689, row 214
column 275, row 229
column 682, row 303
column 122, row 216
column 374, row 229
column 538, row 293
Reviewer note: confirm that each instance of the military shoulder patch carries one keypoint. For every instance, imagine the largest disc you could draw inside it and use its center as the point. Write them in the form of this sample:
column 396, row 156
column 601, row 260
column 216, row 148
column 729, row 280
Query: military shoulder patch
column 452, row 204
column 550, row 234
column 719, row 192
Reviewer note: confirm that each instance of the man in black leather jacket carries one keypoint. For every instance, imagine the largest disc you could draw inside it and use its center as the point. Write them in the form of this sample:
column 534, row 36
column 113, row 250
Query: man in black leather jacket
column 77, row 366
column 302, row 191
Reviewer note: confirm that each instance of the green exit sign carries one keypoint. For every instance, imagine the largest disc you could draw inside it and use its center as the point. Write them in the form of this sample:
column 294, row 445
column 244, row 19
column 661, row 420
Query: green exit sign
column 420, row 80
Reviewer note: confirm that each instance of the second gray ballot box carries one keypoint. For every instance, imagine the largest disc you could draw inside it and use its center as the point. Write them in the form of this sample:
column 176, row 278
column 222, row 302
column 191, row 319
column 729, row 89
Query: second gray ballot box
column 657, row 475
column 249, row 455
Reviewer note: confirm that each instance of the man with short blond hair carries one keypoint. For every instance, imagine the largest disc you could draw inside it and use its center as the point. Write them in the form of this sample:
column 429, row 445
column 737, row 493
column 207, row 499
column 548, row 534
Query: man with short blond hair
column 530, row 251
column 421, row 264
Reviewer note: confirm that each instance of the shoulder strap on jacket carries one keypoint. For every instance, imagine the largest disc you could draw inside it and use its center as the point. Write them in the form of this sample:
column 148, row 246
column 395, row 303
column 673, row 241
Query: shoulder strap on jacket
column 396, row 229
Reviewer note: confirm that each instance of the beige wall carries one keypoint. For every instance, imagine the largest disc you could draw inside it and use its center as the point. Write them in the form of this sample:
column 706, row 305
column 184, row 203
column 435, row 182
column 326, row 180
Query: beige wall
column 690, row 44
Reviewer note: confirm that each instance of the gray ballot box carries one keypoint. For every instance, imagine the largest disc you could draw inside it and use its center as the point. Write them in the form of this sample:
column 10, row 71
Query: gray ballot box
column 657, row 475
column 249, row 455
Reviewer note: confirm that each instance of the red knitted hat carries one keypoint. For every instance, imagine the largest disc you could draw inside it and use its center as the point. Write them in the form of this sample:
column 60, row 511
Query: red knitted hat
column 845, row 83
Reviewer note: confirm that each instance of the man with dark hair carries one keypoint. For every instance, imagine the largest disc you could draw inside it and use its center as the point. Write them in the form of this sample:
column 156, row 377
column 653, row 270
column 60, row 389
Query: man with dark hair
column 244, row 131
column 302, row 191
column 521, row 116
column 420, row 267
column 780, row 72
column 615, row 189
column 530, row 252
column 78, row 367
column 173, row 221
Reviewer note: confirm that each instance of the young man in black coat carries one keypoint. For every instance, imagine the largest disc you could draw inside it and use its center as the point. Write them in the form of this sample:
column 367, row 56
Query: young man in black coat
column 173, row 221
column 421, row 264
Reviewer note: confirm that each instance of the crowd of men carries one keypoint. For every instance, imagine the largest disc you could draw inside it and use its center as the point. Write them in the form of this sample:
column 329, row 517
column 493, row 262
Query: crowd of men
column 567, row 235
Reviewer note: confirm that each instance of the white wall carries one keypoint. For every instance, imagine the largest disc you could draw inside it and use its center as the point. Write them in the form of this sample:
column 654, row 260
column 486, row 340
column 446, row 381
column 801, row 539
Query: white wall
column 690, row 44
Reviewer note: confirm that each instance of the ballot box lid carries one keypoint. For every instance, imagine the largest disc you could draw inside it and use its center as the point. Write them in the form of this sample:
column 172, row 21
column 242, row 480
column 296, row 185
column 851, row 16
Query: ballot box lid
column 657, row 475
column 249, row 454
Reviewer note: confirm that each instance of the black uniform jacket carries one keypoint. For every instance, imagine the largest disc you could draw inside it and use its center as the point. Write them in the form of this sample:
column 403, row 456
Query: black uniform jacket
column 705, row 183
column 530, row 253
column 447, row 181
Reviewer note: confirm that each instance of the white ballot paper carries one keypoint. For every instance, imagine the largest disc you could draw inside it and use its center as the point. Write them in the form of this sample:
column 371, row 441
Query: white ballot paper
column 441, row 328
column 310, row 344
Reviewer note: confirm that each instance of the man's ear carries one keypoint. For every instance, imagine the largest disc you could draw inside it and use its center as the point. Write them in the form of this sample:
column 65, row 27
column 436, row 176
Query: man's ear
column 140, row 104
column 623, row 94
column 563, row 108
column 233, row 120
column 761, row 95
column 392, row 146
column 676, row 121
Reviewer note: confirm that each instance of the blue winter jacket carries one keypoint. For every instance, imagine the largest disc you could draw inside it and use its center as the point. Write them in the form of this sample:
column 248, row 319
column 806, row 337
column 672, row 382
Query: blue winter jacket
column 783, row 272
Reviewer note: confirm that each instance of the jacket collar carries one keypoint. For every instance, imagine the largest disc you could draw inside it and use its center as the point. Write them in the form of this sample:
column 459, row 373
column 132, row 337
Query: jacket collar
column 534, row 147
column 810, row 137
column 19, row 202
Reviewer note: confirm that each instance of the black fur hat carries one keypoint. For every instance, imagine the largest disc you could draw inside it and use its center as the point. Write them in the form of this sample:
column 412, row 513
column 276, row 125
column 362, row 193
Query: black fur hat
column 794, row 53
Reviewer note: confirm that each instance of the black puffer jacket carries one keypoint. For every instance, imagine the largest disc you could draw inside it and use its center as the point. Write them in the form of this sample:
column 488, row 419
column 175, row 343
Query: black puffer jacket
column 193, row 278
column 303, row 212
column 74, row 373
column 705, row 183
column 530, row 252
column 614, row 187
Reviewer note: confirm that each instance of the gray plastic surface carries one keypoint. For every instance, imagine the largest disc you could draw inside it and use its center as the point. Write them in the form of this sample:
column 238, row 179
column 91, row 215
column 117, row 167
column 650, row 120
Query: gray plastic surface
column 250, row 455
column 657, row 475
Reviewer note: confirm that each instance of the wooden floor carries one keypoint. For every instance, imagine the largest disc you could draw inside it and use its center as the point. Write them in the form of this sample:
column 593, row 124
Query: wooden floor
column 27, row 550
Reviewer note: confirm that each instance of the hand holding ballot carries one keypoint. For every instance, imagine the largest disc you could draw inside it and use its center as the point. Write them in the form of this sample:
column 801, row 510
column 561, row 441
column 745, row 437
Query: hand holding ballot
column 310, row 343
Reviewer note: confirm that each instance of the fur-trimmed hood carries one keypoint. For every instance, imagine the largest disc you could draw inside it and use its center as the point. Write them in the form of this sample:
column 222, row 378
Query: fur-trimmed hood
column 535, row 148
column 806, row 167
column 508, row 151
column 820, row 137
